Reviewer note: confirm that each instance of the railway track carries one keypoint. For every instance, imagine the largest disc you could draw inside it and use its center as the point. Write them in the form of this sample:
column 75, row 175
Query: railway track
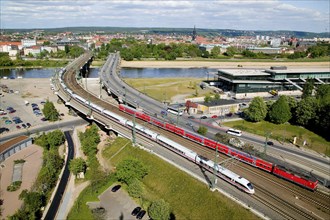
column 70, row 81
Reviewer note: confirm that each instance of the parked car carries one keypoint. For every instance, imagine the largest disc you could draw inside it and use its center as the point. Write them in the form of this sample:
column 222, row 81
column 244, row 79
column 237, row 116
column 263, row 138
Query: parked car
column 141, row 214
column 24, row 125
column 115, row 188
column 136, row 211
column 191, row 117
column 18, row 121
column 28, row 124
column 214, row 116
column 2, row 130
column 229, row 114
column 8, row 122
column 204, row 117
column 12, row 111
column 3, row 113
column 43, row 119
column 18, row 127
column 10, row 108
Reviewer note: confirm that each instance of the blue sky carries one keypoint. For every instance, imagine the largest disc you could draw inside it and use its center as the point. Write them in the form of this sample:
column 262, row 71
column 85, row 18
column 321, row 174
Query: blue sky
column 299, row 15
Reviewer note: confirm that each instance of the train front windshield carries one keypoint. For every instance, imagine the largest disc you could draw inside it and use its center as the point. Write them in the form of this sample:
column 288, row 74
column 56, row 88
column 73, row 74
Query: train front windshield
column 250, row 186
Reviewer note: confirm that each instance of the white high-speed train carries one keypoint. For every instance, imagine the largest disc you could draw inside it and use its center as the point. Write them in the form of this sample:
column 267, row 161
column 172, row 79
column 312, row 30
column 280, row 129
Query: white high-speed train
column 221, row 172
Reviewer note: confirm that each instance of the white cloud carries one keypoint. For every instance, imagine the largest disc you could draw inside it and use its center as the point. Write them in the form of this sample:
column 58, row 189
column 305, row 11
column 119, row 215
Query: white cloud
column 217, row 14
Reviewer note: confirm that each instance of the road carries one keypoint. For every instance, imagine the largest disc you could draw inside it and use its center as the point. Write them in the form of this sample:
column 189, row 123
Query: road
column 52, row 211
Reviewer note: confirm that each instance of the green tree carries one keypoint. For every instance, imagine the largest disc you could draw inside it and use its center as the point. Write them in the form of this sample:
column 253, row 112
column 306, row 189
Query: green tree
column 215, row 52
column 280, row 111
column 129, row 169
column 77, row 165
column 50, row 111
column 202, row 130
column 308, row 88
column 159, row 210
column 207, row 98
column 55, row 138
column 323, row 94
column 230, row 51
column 257, row 110
column 216, row 96
column 223, row 138
column 135, row 188
column 305, row 111
column 42, row 141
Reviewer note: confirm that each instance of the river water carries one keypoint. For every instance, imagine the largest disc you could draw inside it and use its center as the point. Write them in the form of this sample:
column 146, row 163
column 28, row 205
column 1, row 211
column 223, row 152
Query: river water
column 125, row 73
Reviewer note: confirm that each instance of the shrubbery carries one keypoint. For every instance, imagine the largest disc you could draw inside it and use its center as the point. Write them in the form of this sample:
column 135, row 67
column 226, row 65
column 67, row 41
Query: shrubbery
column 14, row 186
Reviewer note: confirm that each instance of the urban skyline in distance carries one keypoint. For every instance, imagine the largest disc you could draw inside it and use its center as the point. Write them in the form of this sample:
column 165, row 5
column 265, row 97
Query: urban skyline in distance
column 292, row 15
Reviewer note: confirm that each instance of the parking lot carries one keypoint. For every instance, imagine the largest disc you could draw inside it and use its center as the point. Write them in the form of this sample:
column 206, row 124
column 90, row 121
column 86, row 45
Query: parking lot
column 13, row 104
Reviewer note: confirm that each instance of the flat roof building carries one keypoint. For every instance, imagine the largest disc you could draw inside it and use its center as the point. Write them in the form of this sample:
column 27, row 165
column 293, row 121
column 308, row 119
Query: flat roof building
column 244, row 81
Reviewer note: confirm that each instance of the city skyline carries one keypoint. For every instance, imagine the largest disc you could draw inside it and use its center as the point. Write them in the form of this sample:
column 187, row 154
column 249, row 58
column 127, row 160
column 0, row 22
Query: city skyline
column 305, row 15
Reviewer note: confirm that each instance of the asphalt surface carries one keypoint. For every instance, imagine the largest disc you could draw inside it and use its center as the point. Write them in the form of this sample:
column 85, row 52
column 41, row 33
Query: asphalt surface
column 51, row 214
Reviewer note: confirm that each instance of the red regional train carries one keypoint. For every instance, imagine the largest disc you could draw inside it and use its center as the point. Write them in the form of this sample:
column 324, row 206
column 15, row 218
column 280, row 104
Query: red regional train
column 280, row 171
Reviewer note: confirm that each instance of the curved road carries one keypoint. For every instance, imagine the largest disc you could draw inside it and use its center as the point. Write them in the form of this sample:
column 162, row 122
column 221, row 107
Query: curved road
column 52, row 211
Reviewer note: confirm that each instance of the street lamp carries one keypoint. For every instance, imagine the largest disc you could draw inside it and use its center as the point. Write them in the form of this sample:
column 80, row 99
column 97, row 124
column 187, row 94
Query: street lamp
column 124, row 94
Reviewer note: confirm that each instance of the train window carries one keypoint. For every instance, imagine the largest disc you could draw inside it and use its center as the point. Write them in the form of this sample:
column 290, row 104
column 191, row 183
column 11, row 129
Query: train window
column 250, row 186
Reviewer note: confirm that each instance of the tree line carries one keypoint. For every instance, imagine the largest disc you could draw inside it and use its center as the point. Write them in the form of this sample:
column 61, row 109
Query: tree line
column 311, row 112
column 131, row 48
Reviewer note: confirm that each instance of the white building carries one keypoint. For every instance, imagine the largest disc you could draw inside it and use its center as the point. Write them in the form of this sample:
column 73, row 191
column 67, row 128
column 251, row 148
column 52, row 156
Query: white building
column 29, row 42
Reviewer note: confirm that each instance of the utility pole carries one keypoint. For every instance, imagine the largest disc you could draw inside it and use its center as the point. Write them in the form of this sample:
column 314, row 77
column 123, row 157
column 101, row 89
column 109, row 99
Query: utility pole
column 124, row 94
column 134, row 140
column 100, row 89
column 215, row 168
column 265, row 145
column 89, row 100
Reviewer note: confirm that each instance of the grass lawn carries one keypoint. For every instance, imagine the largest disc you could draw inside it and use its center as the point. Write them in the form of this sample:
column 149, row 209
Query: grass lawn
column 165, row 88
column 98, row 63
column 80, row 210
column 284, row 132
column 188, row 198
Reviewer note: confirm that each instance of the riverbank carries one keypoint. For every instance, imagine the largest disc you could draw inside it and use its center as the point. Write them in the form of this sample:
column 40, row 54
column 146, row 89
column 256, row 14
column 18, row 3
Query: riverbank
column 218, row 64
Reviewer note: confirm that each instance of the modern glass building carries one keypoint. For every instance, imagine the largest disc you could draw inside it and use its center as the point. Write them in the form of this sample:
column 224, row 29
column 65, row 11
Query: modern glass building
column 275, row 78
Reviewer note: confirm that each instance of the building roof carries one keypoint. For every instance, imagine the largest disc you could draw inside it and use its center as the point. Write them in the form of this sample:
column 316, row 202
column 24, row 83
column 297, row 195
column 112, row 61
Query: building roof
column 219, row 102
column 310, row 70
column 12, row 142
column 10, row 43
column 244, row 72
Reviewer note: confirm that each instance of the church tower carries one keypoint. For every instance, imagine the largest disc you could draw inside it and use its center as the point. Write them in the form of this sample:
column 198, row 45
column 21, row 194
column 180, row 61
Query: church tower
column 194, row 34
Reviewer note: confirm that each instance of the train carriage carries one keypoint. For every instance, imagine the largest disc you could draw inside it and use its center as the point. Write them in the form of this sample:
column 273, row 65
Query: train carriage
column 194, row 137
column 210, row 143
column 174, row 129
column 157, row 123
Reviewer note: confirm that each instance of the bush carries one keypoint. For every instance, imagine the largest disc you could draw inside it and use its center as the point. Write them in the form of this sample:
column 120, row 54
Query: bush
column 14, row 186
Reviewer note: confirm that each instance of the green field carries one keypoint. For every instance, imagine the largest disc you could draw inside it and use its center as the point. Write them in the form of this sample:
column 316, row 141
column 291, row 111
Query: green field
column 284, row 132
column 163, row 89
column 189, row 199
